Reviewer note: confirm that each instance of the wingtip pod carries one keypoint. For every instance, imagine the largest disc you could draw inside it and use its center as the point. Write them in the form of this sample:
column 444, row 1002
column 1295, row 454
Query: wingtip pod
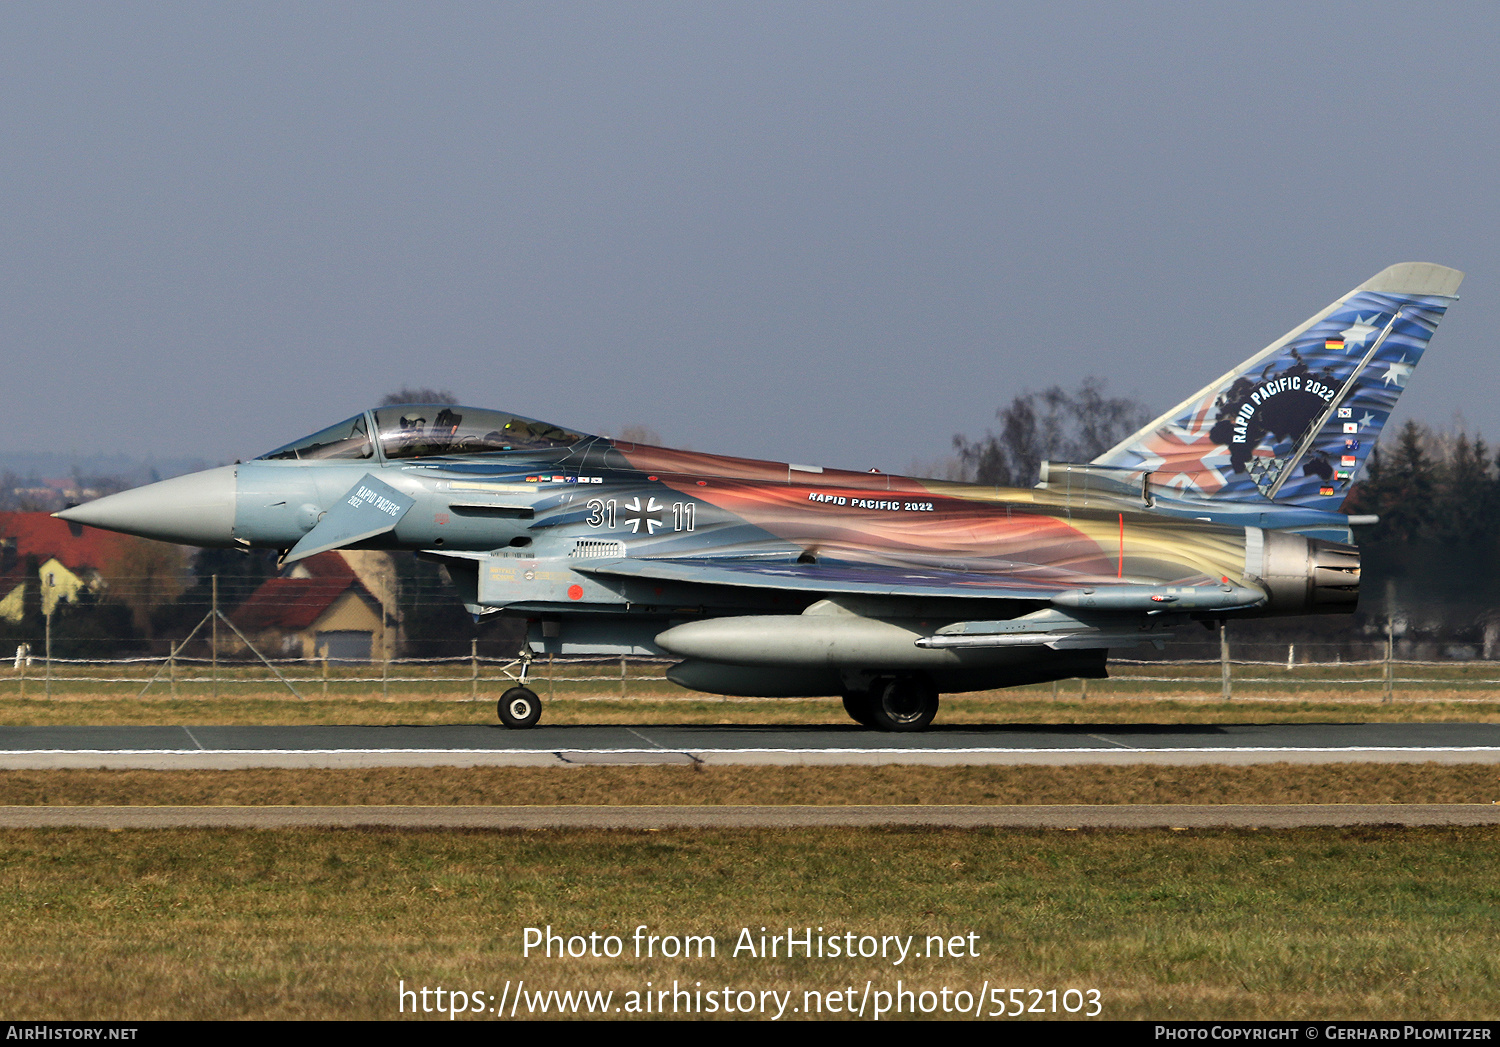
column 1294, row 424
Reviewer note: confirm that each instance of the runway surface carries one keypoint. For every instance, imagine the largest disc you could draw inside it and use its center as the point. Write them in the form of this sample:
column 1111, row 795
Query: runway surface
column 1051, row 816
column 550, row 746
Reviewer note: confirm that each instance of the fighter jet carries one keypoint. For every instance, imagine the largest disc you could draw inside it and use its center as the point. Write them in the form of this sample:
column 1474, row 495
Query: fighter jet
column 780, row 580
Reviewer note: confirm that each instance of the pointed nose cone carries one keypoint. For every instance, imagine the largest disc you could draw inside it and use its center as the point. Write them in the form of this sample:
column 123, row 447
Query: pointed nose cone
column 196, row 509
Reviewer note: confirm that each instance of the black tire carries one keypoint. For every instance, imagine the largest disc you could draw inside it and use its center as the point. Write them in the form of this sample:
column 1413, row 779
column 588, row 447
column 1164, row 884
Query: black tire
column 907, row 703
column 857, row 705
column 520, row 707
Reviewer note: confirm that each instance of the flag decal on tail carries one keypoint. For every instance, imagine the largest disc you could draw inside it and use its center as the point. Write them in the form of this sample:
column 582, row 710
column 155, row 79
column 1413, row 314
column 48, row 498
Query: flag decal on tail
column 1280, row 426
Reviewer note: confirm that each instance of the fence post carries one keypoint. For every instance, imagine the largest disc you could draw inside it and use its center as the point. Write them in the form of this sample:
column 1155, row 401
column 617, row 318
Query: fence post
column 325, row 670
column 1054, row 690
column 385, row 675
column 622, row 676
column 49, row 654
column 550, row 675
column 25, row 655
column 1390, row 665
column 172, row 664
column 1227, row 694
column 1083, row 688
column 215, row 641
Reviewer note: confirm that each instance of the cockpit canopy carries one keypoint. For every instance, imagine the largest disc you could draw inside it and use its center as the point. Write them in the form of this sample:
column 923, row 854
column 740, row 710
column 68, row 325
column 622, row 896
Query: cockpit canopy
column 420, row 430
column 425, row 430
column 348, row 439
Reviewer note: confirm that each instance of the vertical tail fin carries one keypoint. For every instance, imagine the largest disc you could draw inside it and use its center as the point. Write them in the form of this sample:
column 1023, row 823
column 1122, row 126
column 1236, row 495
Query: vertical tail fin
column 1294, row 423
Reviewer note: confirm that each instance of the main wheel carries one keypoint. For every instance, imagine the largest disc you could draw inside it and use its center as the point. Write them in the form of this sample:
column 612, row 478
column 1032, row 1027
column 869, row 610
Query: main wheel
column 857, row 705
column 520, row 707
column 907, row 703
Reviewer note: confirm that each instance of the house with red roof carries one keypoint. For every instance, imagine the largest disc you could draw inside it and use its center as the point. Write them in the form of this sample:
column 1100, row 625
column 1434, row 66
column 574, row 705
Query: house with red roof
column 69, row 557
column 340, row 605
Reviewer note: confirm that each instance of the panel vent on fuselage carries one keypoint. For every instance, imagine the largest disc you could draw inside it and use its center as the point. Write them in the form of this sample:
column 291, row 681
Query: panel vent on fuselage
column 595, row 549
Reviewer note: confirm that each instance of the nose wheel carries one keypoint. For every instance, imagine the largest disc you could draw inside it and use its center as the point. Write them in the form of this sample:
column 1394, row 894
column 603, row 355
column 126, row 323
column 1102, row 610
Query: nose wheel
column 520, row 707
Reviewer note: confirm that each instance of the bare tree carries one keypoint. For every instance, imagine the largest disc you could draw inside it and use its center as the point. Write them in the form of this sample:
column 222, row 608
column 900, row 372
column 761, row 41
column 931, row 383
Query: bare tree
column 640, row 434
column 1053, row 425
column 405, row 395
column 144, row 575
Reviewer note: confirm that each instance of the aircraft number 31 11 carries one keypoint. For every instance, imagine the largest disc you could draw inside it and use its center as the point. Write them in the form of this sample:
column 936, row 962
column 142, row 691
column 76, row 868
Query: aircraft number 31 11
column 607, row 512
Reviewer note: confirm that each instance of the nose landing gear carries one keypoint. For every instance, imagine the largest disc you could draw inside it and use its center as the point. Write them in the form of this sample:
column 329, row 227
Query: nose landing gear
column 520, row 707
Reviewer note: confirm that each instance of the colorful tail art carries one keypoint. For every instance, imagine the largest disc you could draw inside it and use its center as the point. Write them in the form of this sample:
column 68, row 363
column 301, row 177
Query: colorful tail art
column 1294, row 424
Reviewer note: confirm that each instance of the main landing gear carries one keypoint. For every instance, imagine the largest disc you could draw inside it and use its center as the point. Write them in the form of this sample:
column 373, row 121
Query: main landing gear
column 901, row 703
column 520, row 707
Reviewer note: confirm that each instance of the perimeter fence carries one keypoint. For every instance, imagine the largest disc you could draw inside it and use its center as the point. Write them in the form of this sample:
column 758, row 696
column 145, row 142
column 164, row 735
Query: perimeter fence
column 477, row 677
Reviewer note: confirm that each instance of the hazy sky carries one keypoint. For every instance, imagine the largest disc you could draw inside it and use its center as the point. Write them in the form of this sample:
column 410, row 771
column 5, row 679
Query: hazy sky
column 836, row 233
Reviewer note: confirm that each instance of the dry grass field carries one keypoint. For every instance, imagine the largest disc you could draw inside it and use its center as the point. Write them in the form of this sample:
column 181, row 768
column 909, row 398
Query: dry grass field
column 1145, row 783
column 1358, row 923
column 1347, row 924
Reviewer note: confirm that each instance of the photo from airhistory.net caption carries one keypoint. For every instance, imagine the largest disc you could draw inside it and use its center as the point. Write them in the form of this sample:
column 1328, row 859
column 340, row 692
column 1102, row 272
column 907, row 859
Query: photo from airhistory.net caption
column 894, row 998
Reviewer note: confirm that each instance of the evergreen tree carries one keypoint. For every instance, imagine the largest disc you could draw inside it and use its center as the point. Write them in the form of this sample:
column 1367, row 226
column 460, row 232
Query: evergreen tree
column 1463, row 510
column 88, row 627
column 1409, row 485
column 29, row 627
column 432, row 615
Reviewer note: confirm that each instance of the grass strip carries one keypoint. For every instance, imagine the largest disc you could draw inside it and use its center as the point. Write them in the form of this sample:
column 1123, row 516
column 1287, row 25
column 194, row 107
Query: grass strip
column 1142, row 783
